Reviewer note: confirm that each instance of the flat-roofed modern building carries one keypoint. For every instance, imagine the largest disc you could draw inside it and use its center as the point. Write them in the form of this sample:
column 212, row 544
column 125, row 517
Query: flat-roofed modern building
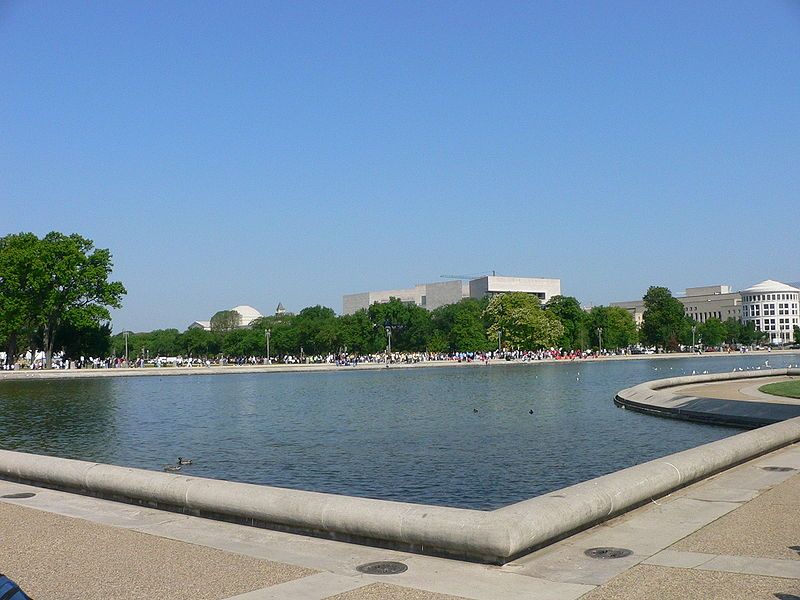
column 434, row 295
column 491, row 285
column 712, row 302
column 774, row 308
column 700, row 303
column 427, row 295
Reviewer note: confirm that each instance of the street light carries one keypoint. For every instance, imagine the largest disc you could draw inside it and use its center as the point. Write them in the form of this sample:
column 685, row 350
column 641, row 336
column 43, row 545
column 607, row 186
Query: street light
column 694, row 329
column 267, row 333
column 600, row 335
column 389, row 337
column 125, row 333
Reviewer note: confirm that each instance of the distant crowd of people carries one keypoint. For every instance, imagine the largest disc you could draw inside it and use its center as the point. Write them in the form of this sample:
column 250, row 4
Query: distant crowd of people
column 340, row 359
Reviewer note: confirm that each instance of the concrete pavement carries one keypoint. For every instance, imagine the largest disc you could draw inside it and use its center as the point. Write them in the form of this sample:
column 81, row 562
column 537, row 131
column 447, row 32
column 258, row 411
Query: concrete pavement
column 729, row 536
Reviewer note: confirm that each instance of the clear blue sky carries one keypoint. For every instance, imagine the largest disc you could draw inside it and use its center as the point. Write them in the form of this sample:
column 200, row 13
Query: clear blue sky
column 249, row 153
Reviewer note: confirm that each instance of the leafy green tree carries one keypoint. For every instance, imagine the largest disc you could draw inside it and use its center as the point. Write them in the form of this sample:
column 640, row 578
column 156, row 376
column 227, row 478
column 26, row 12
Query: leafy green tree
column 410, row 324
column 750, row 335
column 89, row 341
column 459, row 327
column 317, row 330
column 796, row 334
column 18, row 283
column 733, row 330
column 243, row 342
column 712, row 333
column 437, row 342
column 197, row 342
column 520, row 320
column 163, row 342
column 573, row 318
column 617, row 325
column 357, row 333
column 664, row 321
column 225, row 321
column 70, row 286
column 283, row 334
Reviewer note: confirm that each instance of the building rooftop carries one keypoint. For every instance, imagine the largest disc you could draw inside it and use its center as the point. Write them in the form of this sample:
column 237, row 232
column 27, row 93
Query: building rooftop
column 770, row 285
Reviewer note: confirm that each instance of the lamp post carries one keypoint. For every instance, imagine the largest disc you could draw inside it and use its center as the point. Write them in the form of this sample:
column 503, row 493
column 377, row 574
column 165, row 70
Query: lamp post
column 389, row 338
column 694, row 329
column 125, row 333
column 267, row 333
column 600, row 336
column 499, row 340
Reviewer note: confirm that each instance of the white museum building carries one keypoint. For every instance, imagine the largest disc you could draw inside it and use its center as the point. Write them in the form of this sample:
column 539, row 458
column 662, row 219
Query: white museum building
column 774, row 308
column 247, row 314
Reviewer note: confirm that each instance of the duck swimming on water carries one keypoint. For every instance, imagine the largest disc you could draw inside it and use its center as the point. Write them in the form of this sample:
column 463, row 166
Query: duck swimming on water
column 184, row 461
column 171, row 468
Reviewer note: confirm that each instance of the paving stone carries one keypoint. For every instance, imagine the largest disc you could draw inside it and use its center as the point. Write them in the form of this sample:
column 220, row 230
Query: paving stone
column 52, row 556
column 767, row 526
column 665, row 583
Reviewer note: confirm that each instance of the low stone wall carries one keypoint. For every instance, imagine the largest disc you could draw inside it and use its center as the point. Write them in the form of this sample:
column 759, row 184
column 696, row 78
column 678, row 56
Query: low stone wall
column 657, row 397
column 483, row 536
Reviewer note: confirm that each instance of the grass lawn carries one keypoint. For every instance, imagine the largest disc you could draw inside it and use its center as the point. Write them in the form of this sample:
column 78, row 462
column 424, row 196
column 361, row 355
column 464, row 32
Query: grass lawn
column 789, row 389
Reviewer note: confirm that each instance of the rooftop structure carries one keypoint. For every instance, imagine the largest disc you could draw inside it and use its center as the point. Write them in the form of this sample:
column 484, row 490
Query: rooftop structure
column 247, row 314
column 491, row 285
column 434, row 295
column 426, row 295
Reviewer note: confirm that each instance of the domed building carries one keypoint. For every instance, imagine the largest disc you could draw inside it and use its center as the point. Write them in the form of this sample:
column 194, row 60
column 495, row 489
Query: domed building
column 774, row 308
column 247, row 314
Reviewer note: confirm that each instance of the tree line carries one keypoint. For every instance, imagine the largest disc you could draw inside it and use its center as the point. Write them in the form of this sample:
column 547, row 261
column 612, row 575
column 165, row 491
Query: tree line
column 512, row 321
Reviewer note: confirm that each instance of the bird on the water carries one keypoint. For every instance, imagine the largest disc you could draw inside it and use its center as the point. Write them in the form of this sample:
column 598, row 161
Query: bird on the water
column 171, row 468
column 184, row 461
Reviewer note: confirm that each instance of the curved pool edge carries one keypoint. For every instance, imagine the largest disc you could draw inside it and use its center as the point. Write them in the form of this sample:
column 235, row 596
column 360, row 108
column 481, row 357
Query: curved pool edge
column 655, row 398
column 493, row 537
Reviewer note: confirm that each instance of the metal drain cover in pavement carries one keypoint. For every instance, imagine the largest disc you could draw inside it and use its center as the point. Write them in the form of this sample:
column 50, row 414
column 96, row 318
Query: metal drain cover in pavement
column 608, row 552
column 383, row 567
column 20, row 495
column 779, row 469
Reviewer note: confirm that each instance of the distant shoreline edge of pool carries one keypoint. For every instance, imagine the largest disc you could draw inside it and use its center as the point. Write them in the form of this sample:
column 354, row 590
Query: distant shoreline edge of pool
column 29, row 374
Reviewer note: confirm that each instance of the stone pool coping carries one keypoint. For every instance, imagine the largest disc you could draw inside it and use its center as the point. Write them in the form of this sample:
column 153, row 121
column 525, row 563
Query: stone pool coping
column 494, row 537
column 667, row 398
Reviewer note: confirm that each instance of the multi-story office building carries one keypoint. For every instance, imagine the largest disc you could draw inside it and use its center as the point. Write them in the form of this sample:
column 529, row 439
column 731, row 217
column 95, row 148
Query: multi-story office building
column 434, row 295
column 700, row 303
column 774, row 308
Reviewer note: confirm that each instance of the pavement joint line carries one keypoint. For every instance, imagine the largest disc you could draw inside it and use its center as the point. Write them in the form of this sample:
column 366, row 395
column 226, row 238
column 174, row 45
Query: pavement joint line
column 729, row 563
column 313, row 587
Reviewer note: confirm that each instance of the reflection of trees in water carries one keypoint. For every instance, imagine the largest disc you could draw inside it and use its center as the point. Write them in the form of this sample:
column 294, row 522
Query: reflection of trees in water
column 72, row 419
